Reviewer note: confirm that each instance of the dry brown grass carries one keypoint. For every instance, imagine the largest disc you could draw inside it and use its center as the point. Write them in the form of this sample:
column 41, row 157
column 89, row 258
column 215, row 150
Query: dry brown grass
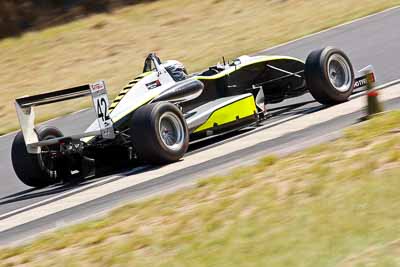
column 113, row 46
column 321, row 207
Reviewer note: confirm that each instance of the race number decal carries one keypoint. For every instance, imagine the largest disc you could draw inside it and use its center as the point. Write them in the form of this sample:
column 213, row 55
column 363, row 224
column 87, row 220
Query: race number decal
column 100, row 103
column 102, row 110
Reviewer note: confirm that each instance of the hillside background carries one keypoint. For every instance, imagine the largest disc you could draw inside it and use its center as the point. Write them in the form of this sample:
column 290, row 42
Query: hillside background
column 18, row 16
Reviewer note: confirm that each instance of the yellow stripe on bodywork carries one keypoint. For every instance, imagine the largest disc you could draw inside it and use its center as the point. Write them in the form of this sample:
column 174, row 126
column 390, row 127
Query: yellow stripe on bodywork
column 118, row 98
column 126, row 89
column 242, row 108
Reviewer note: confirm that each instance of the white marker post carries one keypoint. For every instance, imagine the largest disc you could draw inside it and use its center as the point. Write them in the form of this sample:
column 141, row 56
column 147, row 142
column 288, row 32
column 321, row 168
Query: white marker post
column 373, row 104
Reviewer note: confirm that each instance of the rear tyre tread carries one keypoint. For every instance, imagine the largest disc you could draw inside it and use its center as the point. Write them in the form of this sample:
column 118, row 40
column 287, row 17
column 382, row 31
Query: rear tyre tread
column 26, row 166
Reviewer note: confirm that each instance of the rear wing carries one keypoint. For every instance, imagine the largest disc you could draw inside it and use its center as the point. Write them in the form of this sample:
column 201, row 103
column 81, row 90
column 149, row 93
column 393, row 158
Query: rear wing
column 26, row 114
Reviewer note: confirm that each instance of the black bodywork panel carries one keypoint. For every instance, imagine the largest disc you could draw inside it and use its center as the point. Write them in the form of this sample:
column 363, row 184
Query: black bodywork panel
column 279, row 79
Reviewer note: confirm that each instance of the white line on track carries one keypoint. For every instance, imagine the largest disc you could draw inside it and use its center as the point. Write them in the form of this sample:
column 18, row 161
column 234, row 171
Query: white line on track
column 70, row 192
column 8, row 134
column 332, row 28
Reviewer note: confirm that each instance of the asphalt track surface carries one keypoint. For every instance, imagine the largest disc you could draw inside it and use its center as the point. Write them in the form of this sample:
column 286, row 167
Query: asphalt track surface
column 372, row 40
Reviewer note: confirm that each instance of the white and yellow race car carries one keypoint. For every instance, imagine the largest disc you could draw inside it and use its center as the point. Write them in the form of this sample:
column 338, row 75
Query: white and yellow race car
column 157, row 114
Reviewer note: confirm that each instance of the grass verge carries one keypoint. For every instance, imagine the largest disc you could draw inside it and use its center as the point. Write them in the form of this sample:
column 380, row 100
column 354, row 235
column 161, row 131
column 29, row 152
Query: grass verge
column 336, row 204
column 113, row 46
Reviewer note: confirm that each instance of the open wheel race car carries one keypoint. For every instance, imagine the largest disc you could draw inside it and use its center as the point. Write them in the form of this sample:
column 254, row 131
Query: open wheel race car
column 158, row 113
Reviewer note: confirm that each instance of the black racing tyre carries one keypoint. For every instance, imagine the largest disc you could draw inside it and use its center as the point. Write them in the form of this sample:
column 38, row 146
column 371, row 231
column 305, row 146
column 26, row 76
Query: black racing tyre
column 159, row 133
column 329, row 76
column 35, row 170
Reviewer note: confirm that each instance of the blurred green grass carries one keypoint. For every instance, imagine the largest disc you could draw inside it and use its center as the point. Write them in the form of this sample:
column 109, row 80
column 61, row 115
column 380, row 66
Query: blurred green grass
column 113, row 46
column 335, row 204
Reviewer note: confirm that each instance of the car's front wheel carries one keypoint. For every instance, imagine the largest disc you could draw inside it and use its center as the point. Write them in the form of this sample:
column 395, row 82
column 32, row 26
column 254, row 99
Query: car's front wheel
column 329, row 76
column 159, row 133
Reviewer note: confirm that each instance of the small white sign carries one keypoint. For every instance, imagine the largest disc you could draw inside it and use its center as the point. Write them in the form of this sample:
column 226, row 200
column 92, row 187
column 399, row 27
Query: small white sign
column 101, row 105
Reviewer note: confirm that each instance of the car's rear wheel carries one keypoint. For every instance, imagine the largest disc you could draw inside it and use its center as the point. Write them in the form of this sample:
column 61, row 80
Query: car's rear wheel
column 159, row 133
column 329, row 76
column 37, row 170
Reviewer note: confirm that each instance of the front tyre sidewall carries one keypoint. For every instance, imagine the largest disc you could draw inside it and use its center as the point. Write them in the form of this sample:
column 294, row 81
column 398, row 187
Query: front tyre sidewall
column 146, row 135
column 317, row 77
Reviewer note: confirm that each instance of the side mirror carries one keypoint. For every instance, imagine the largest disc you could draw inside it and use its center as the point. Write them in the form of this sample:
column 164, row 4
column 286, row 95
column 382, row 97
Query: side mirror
column 151, row 63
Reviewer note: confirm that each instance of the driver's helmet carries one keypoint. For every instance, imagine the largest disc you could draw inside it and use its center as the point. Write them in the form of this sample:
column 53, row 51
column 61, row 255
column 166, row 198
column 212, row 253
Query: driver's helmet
column 176, row 69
